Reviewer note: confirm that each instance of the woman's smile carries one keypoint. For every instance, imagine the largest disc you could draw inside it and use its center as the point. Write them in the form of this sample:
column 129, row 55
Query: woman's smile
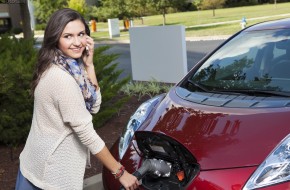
column 77, row 49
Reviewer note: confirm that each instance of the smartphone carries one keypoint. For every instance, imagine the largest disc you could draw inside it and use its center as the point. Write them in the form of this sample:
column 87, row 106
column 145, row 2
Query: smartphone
column 87, row 51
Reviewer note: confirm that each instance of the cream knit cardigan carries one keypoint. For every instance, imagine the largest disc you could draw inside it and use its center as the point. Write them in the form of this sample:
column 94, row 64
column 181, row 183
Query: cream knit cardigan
column 56, row 151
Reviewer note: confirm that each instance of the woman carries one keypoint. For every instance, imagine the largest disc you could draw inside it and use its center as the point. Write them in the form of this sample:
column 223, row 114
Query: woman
column 66, row 92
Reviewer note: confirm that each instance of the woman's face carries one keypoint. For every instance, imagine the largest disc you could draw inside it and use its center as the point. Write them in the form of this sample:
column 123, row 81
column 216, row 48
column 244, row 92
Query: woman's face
column 72, row 41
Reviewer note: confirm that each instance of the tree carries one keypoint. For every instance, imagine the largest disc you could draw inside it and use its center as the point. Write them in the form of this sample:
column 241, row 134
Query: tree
column 78, row 5
column 25, row 17
column 137, row 8
column 163, row 5
column 113, row 9
column 121, row 9
column 44, row 8
column 124, row 9
column 197, row 3
column 212, row 4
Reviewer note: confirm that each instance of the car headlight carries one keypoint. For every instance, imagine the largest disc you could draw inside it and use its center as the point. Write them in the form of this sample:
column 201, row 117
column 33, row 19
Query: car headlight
column 275, row 169
column 135, row 122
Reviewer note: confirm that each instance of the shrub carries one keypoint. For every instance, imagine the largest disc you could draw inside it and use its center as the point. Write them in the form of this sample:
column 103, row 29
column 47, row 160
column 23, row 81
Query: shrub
column 17, row 30
column 141, row 88
column 17, row 58
column 110, row 84
column 40, row 26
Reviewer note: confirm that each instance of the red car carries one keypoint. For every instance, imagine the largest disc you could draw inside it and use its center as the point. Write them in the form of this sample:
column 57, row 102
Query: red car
column 224, row 126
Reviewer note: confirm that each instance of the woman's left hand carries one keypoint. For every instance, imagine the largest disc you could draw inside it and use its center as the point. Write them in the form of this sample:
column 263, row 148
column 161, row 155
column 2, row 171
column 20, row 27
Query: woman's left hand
column 128, row 181
column 89, row 52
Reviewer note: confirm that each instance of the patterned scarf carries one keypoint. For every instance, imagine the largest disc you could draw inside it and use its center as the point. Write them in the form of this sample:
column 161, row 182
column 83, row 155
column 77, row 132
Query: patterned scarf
column 77, row 70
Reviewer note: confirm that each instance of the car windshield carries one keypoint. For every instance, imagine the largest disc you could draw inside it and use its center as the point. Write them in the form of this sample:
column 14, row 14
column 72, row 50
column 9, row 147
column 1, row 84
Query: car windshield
column 255, row 61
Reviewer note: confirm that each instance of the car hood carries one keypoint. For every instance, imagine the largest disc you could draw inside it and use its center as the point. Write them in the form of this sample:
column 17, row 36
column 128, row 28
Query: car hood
column 220, row 137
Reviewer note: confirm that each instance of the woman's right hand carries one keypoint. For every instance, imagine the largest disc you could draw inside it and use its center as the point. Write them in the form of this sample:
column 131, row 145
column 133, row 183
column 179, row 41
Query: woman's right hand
column 129, row 181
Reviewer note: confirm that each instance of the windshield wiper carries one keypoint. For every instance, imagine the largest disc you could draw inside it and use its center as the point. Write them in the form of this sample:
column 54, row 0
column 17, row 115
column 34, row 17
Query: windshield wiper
column 198, row 85
column 258, row 92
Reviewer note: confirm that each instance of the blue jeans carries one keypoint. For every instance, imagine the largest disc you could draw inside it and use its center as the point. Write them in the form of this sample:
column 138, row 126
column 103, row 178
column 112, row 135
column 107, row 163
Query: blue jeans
column 23, row 184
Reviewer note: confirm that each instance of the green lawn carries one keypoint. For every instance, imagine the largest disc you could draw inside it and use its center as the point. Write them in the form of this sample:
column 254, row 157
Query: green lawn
column 194, row 20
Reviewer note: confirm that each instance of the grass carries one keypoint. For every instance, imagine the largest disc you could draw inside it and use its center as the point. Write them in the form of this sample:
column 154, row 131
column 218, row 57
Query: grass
column 195, row 21
column 196, row 25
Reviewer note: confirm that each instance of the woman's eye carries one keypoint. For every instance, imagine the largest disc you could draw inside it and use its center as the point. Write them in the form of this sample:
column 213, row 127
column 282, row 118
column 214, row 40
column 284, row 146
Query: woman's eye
column 81, row 34
column 68, row 36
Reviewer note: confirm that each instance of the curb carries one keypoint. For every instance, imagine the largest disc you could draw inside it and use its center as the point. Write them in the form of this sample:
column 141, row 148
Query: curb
column 207, row 38
column 187, row 39
column 39, row 39
column 93, row 183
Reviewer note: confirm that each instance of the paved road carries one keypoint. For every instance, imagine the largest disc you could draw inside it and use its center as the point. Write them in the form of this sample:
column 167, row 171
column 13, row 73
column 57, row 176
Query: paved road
column 196, row 50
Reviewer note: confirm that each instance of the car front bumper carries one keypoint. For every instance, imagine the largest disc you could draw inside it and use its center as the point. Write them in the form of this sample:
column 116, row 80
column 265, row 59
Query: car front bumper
column 222, row 179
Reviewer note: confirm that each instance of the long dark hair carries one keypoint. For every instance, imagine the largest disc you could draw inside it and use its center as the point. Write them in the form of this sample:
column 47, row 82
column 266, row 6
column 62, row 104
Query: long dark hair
column 53, row 31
